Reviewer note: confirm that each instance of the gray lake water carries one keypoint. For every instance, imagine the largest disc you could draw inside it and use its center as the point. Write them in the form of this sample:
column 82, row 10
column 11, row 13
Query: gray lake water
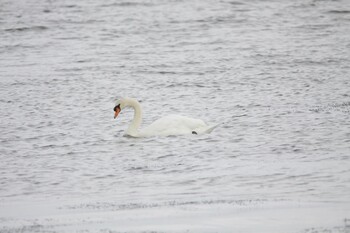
column 275, row 74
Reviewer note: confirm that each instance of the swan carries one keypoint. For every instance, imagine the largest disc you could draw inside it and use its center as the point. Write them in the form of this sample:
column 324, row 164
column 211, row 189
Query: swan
column 166, row 126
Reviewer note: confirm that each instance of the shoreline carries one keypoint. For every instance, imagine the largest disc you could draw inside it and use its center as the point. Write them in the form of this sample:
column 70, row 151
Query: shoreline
column 263, row 217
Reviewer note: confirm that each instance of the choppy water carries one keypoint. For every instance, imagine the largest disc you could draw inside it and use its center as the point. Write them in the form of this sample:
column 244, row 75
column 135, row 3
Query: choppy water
column 274, row 73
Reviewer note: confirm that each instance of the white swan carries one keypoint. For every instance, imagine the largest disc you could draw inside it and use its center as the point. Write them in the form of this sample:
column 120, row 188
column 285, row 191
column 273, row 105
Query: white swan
column 166, row 126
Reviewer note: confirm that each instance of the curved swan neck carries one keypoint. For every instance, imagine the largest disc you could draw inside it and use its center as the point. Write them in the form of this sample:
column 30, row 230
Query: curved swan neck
column 136, row 122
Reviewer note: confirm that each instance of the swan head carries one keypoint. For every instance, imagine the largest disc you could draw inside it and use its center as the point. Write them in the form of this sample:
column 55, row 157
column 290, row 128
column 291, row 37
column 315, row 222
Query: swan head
column 122, row 103
column 119, row 105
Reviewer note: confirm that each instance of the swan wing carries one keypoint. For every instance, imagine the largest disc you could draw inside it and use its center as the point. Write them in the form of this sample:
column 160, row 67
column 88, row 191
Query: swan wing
column 175, row 125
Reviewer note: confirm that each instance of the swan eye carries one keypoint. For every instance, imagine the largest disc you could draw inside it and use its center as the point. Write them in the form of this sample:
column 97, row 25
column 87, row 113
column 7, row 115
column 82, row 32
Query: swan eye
column 116, row 107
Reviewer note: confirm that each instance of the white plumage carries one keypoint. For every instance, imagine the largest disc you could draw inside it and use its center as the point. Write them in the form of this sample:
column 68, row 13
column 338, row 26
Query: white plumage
column 165, row 126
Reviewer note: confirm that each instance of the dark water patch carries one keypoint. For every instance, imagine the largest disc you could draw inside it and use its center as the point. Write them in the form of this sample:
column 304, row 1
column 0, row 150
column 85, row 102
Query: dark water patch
column 337, row 229
column 73, row 69
column 70, row 6
column 187, row 21
column 105, row 176
column 235, row 3
column 211, row 20
column 30, row 228
column 167, row 72
column 19, row 84
column 165, row 156
column 325, row 1
column 334, row 107
column 14, row 47
column 308, row 62
column 130, row 206
column 6, row 101
column 23, row 29
column 177, row 85
column 339, row 12
column 314, row 26
column 76, row 22
column 171, row 72
column 128, row 4
column 70, row 38
column 84, row 60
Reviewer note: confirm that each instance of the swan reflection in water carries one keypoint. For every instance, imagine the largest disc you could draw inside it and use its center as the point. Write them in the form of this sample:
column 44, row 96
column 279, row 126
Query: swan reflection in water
column 166, row 126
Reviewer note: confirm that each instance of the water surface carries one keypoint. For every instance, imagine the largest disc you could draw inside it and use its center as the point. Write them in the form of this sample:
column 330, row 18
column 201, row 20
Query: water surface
column 275, row 74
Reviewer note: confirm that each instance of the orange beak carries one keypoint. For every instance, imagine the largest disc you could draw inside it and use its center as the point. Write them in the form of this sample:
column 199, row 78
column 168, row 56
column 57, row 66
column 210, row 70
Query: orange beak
column 116, row 112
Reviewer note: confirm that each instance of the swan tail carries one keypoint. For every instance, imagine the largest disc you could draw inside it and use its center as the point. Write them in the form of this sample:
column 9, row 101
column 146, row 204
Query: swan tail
column 211, row 128
column 205, row 130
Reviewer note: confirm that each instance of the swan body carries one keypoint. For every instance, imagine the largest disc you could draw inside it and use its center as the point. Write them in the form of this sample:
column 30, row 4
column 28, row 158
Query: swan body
column 166, row 126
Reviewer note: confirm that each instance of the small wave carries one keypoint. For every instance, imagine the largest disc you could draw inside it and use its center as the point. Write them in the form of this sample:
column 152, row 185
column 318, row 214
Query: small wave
column 236, row 3
column 70, row 6
column 21, row 29
column 339, row 12
column 127, row 4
